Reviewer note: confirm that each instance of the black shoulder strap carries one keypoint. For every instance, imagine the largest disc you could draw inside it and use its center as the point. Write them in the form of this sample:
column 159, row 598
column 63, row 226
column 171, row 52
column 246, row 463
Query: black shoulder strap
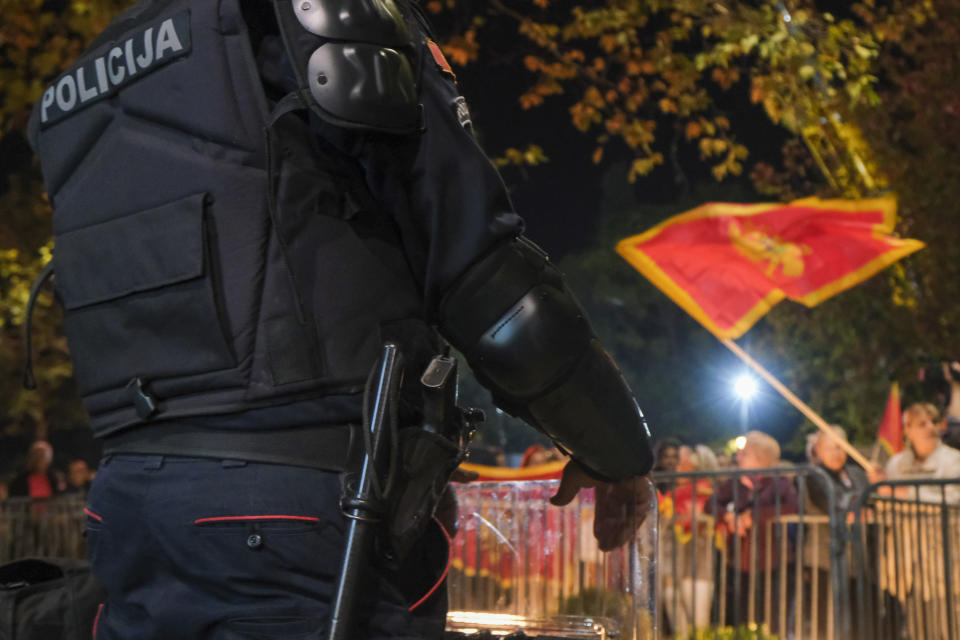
column 293, row 101
column 336, row 159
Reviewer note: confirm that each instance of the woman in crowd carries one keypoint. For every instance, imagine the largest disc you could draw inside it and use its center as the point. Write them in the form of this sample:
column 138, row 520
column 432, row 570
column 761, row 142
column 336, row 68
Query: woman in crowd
column 846, row 481
column 687, row 543
column 925, row 457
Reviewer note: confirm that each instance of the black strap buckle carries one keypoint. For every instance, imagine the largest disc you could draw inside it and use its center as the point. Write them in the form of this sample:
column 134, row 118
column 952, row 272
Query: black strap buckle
column 143, row 401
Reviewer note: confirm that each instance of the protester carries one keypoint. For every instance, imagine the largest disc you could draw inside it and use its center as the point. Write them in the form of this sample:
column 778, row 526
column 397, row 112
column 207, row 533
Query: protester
column 761, row 492
column 666, row 455
column 687, row 586
column 79, row 476
column 38, row 480
column 926, row 457
column 748, row 507
column 912, row 570
column 725, row 462
column 847, row 479
column 537, row 454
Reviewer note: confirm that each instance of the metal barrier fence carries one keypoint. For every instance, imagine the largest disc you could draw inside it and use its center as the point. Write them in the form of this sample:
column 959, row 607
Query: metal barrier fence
column 769, row 561
column 518, row 563
column 42, row 528
column 745, row 549
column 907, row 542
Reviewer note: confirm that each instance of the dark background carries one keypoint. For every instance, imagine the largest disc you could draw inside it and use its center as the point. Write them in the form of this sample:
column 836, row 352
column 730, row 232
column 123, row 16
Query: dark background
column 573, row 206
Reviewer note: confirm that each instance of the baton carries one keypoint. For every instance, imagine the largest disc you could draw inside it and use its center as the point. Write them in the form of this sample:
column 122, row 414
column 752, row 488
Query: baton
column 362, row 506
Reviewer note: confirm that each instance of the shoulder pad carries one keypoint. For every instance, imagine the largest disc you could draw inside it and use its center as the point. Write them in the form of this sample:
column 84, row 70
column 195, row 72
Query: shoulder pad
column 360, row 85
column 375, row 21
column 352, row 61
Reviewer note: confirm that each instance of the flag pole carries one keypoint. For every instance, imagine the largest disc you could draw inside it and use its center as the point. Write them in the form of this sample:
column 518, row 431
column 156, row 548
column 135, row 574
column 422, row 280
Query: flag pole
column 798, row 403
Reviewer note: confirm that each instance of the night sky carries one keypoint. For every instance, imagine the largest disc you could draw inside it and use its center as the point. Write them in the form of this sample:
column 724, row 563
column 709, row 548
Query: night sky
column 559, row 199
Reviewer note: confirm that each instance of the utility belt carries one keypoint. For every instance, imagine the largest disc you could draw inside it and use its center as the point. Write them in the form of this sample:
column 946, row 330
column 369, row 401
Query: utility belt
column 416, row 461
column 336, row 448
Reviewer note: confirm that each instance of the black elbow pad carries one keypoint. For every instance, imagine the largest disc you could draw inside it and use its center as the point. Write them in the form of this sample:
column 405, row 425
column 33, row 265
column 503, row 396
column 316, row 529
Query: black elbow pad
column 529, row 342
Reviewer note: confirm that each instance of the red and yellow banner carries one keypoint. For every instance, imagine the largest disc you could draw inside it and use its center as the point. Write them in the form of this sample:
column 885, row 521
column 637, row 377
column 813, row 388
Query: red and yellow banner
column 728, row 264
column 890, row 433
column 548, row 471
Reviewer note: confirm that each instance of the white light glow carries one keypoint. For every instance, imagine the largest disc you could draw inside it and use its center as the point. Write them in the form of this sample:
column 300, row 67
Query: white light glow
column 745, row 387
column 740, row 442
column 486, row 619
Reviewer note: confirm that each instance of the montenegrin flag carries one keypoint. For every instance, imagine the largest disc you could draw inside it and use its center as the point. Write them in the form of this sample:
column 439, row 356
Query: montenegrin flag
column 890, row 433
column 727, row 264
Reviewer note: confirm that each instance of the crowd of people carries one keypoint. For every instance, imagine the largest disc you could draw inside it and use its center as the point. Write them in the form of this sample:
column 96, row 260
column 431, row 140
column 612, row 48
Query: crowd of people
column 712, row 522
column 729, row 524
column 39, row 478
column 729, row 515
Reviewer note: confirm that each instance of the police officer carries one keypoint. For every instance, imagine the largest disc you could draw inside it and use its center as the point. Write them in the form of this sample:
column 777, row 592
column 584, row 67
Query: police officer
column 247, row 204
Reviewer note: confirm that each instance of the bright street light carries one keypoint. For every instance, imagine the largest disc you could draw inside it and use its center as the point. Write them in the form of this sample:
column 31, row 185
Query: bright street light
column 745, row 387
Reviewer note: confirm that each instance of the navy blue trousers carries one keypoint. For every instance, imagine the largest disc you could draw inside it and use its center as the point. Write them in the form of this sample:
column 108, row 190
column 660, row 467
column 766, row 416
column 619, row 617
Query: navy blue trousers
column 228, row 550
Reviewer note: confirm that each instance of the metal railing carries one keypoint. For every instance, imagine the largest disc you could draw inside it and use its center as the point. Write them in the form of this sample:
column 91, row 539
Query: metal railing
column 907, row 545
column 744, row 549
column 51, row 527
column 518, row 563
column 887, row 569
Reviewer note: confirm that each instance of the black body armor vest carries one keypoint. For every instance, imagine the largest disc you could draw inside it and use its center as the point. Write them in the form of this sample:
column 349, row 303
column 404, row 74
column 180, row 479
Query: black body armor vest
column 212, row 255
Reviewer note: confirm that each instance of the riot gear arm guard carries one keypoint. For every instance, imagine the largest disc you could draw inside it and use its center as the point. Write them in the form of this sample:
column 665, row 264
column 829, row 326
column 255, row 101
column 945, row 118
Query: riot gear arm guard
column 530, row 343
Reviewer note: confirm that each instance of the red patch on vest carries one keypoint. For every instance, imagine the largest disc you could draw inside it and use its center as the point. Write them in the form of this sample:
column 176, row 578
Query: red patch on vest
column 439, row 58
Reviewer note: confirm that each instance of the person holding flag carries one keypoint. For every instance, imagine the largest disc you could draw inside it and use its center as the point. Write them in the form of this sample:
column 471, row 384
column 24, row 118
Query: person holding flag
column 847, row 480
column 727, row 264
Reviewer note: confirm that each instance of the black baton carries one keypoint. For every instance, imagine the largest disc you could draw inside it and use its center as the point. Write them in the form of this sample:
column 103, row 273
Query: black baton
column 363, row 506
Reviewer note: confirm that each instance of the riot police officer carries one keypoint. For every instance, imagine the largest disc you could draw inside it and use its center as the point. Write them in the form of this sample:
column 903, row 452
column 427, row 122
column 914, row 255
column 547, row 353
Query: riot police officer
column 246, row 205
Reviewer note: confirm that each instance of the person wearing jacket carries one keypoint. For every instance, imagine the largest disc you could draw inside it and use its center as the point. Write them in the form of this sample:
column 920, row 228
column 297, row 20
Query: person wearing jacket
column 749, row 507
column 250, row 199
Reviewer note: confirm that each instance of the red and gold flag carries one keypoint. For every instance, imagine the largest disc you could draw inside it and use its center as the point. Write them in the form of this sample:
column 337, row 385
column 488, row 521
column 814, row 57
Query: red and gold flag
column 547, row 471
column 890, row 433
column 727, row 264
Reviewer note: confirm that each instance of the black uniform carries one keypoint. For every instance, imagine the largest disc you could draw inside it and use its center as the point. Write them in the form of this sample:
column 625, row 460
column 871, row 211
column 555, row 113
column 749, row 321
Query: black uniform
column 242, row 216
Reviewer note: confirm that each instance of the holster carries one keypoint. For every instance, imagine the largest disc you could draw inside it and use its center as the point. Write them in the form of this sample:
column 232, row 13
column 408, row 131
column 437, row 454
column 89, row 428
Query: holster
column 428, row 456
column 427, row 461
